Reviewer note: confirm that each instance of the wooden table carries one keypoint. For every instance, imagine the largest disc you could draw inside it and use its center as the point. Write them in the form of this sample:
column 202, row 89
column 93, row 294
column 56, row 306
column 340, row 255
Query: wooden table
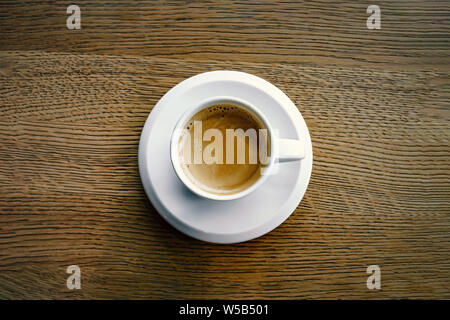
column 73, row 103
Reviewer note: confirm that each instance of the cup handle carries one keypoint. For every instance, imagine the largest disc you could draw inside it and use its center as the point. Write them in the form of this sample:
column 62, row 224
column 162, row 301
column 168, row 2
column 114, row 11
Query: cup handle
column 290, row 150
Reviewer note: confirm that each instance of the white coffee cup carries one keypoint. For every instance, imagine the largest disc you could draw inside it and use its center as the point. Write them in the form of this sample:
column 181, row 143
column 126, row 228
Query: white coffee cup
column 282, row 150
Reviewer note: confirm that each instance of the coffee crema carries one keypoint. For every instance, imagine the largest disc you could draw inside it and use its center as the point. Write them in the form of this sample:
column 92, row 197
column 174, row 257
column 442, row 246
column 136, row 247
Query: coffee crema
column 232, row 171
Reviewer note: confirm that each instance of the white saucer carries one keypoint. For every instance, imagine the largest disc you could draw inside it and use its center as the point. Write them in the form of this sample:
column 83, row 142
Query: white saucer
column 223, row 221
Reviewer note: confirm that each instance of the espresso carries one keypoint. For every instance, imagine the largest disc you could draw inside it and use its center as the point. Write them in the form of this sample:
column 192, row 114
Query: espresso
column 230, row 166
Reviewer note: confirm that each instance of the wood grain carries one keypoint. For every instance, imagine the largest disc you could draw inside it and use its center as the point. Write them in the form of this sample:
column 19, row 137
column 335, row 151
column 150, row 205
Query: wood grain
column 412, row 33
column 73, row 103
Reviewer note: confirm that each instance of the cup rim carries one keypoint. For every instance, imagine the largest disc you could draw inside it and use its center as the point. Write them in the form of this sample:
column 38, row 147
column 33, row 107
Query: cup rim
column 174, row 155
